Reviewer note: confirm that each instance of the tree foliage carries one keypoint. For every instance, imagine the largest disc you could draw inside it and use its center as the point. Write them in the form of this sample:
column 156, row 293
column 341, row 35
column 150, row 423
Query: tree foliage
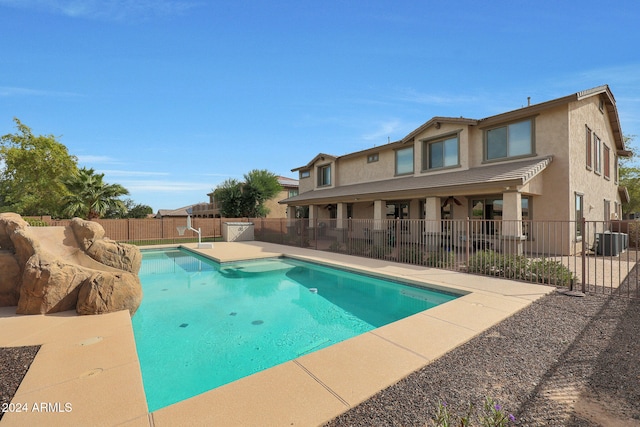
column 90, row 197
column 31, row 171
column 247, row 199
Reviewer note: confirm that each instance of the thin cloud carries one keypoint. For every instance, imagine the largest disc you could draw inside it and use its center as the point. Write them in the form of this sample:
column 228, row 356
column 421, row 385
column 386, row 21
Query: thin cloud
column 95, row 159
column 385, row 130
column 7, row 91
column 159, row 186
column 133, row 173
column 411, row 95
column 111, row 10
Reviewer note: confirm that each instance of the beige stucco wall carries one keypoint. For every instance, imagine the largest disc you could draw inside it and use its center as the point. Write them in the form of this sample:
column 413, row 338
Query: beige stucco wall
column 595, row 187
column 559, row 131
column 276, row 210
column 353, row 170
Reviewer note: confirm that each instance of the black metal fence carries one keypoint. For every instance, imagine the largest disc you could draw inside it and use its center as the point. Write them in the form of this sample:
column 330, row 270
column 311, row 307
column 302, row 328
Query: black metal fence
column 584, row 256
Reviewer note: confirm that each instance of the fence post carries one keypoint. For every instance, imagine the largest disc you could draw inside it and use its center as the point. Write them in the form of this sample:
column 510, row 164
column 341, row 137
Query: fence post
column 468, row 239
column 584, row 255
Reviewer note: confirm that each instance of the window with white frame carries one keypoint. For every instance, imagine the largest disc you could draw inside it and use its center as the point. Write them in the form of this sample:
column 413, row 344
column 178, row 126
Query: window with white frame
column 597, row 154
column 441, row 153
column 513, row 140
column 305, row 174
column 404, row 161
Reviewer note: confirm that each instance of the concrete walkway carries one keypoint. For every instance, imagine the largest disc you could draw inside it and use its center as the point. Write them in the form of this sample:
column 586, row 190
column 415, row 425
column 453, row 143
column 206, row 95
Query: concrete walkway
column 91, row 361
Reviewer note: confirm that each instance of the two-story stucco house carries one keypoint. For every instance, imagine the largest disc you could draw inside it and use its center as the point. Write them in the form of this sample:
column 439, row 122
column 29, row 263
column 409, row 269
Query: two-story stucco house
column 557, row 160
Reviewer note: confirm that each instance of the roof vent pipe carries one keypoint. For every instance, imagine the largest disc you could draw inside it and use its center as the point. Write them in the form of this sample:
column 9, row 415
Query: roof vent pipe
column 528, row 101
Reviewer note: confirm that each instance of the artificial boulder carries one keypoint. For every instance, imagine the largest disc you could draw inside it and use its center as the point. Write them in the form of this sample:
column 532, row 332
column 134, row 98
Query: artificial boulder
column 51, row 269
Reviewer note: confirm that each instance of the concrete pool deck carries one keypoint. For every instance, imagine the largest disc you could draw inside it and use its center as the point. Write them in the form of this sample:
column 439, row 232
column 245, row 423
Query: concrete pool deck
column 91, row 363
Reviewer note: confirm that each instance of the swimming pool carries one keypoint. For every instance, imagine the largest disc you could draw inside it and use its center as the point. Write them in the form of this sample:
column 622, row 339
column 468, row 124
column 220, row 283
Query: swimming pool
column 202, row 324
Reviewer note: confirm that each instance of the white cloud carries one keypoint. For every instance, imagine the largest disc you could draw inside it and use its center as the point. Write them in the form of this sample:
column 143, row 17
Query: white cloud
column 88, row 158
column 22, row 91
column 110, row 10
column 159, row 186
column 384, row 131
column 411, row 95
column 112, row 172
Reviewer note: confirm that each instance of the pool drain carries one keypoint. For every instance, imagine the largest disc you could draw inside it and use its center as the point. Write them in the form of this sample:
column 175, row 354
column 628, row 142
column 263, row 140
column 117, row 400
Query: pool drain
column 257, row 322
column 184, row 325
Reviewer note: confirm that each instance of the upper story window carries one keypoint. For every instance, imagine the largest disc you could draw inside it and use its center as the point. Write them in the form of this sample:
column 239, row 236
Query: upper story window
column 606, row 160
column 513, row 140
column 305, row 174
column 441, row 153
column 597, row 154
column 404, row 161
column 372, row 158
column 588, row 146
column 293, row 192
column 324, row 176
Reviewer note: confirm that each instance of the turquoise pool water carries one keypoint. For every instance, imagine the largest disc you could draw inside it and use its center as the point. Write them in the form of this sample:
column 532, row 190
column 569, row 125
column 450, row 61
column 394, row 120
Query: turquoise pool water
column 202, row 324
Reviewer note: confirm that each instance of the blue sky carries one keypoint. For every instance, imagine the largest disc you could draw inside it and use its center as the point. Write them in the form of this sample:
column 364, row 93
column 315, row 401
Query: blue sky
column 171, row 97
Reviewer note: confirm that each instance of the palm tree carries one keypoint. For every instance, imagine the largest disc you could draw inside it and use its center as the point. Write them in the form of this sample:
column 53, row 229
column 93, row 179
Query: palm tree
column 90, row 197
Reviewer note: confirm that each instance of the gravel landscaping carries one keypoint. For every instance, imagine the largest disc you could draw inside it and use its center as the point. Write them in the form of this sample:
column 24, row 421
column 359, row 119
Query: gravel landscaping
column 562, row 361
column 14, row 366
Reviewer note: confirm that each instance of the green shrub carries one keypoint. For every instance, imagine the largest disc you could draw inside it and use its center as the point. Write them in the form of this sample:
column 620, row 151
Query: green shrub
column 411, row 255
column 519, row 267
column 36, row 222
column 441, row 259
column 335, row 247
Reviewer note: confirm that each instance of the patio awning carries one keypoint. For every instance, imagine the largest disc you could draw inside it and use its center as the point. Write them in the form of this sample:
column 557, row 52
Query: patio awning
column 495, row 176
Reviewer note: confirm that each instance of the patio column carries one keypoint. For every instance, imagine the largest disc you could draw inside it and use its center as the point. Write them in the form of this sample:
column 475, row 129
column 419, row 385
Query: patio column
column 313, row 219
column 512, row 222
column 291, row 220
column 432, row 226
column 379, row 232
column 341, row 222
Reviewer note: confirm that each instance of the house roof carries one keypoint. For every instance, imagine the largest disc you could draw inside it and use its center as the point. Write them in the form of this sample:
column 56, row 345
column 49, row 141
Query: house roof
column 604, row 91
column 436, row 121
column 288, row 182
column 321, row 156
column 176, row 212
column 495, row 175
column 609, row 104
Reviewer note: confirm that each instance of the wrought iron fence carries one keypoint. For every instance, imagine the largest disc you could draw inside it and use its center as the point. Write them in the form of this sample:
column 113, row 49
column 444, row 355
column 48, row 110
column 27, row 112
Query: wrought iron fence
column 585, row 256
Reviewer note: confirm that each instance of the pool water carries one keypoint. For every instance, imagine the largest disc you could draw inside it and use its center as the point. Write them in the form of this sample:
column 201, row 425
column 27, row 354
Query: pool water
column 202, row 324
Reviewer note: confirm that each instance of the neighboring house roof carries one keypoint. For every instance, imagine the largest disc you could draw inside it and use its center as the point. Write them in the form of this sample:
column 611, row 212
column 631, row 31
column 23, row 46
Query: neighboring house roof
column 503, row 174
column 288, row 182
column 176, row 212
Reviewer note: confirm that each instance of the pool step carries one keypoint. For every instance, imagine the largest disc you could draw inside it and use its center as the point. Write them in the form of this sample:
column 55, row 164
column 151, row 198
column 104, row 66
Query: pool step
column 313, row 347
